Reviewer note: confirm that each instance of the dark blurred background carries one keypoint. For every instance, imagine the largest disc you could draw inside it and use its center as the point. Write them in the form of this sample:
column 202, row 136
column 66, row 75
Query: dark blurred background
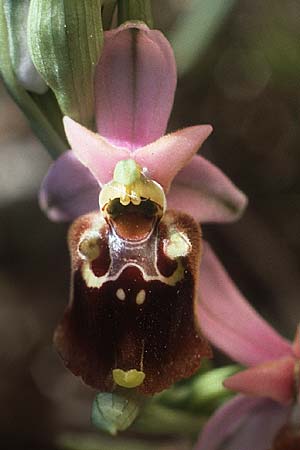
column 239, row 66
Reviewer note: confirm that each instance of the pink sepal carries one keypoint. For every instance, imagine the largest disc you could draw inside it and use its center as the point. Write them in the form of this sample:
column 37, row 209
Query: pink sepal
column 230, row 323
column 68, row 190
column 132, row 110
column 203, row 191
column 243, row 423
column 273, row 379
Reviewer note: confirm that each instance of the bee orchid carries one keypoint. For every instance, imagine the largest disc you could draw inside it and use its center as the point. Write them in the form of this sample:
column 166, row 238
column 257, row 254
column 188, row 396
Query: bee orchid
column 135, row 264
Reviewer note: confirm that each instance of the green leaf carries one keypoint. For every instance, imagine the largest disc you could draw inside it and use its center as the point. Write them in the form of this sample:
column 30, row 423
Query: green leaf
column 38, row 120
column 195, row 29
column 65, row 40
column 135, row 10
column 116, row 411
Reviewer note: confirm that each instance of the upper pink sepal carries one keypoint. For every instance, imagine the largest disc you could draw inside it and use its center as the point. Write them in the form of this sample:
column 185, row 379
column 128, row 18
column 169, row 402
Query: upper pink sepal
column 94, row 152
column 230, row 323
column 203, row 191
column 273, row 379
column 243, row 423
column 165, row 157
column 132, row 110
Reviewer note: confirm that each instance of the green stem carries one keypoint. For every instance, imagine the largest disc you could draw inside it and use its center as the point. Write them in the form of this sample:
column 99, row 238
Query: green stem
column 38, row 121
column 135, row 10
column 108, row 11
column 160, row 420
column 48, row 104
column 81, row 441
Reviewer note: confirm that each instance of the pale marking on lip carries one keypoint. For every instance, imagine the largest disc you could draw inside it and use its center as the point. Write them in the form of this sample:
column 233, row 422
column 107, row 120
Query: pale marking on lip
column 88, row 245
column 141, row 297
column 96, row 282
column 92, row 281
column 120, row 294
column 178, row 245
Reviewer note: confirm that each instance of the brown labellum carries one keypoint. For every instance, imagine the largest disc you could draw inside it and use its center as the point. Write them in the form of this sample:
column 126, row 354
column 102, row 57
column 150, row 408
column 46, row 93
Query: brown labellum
column 288, row 438
column 131, row 318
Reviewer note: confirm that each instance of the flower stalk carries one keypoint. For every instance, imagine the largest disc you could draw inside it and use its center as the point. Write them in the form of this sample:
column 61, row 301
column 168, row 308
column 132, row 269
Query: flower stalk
column 135, row 10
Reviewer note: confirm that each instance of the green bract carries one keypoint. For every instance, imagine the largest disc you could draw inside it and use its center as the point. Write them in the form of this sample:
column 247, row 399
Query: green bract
column 65, row 39
column 113, row 412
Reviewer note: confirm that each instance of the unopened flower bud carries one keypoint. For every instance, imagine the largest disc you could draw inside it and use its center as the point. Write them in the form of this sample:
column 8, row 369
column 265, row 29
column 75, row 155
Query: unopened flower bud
column 65, row 40
column 113, row 412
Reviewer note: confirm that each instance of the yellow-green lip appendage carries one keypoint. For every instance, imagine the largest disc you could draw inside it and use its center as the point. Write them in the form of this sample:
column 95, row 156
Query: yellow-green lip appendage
column 128, row 379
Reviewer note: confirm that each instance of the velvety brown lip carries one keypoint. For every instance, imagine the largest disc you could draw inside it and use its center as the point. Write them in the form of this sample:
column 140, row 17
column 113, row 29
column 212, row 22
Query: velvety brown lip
column 131, row 321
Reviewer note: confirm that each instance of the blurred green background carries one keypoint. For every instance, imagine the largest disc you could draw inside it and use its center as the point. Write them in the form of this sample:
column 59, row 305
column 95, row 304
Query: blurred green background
column 239, row 66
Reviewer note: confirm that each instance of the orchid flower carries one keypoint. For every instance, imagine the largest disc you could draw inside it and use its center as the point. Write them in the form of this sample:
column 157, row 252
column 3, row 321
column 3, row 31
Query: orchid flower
column 130, row 321
column 134, row 97
column 265, row 414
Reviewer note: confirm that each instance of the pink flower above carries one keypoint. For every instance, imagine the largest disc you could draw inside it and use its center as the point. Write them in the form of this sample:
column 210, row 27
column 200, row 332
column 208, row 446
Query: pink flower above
column 265, row 413
column 135, row 85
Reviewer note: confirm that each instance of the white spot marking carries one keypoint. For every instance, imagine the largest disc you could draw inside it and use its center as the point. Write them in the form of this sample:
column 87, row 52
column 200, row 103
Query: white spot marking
column 140, row 298
column 178, row 245
column 121, row 294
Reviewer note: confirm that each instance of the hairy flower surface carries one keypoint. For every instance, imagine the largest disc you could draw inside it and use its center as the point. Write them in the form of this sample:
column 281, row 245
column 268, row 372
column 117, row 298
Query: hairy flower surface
column 265, row 414
column 135, row 266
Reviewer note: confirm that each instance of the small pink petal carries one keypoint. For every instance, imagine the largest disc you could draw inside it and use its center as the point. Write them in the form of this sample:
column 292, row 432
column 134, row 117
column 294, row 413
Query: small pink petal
column 135, row 85
column 68, row 190
column 296, row 343
column 230, row 323
column 94, row 152
column 273, row 379
column 243, row 423
column 169, row 154
column 203, row 191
